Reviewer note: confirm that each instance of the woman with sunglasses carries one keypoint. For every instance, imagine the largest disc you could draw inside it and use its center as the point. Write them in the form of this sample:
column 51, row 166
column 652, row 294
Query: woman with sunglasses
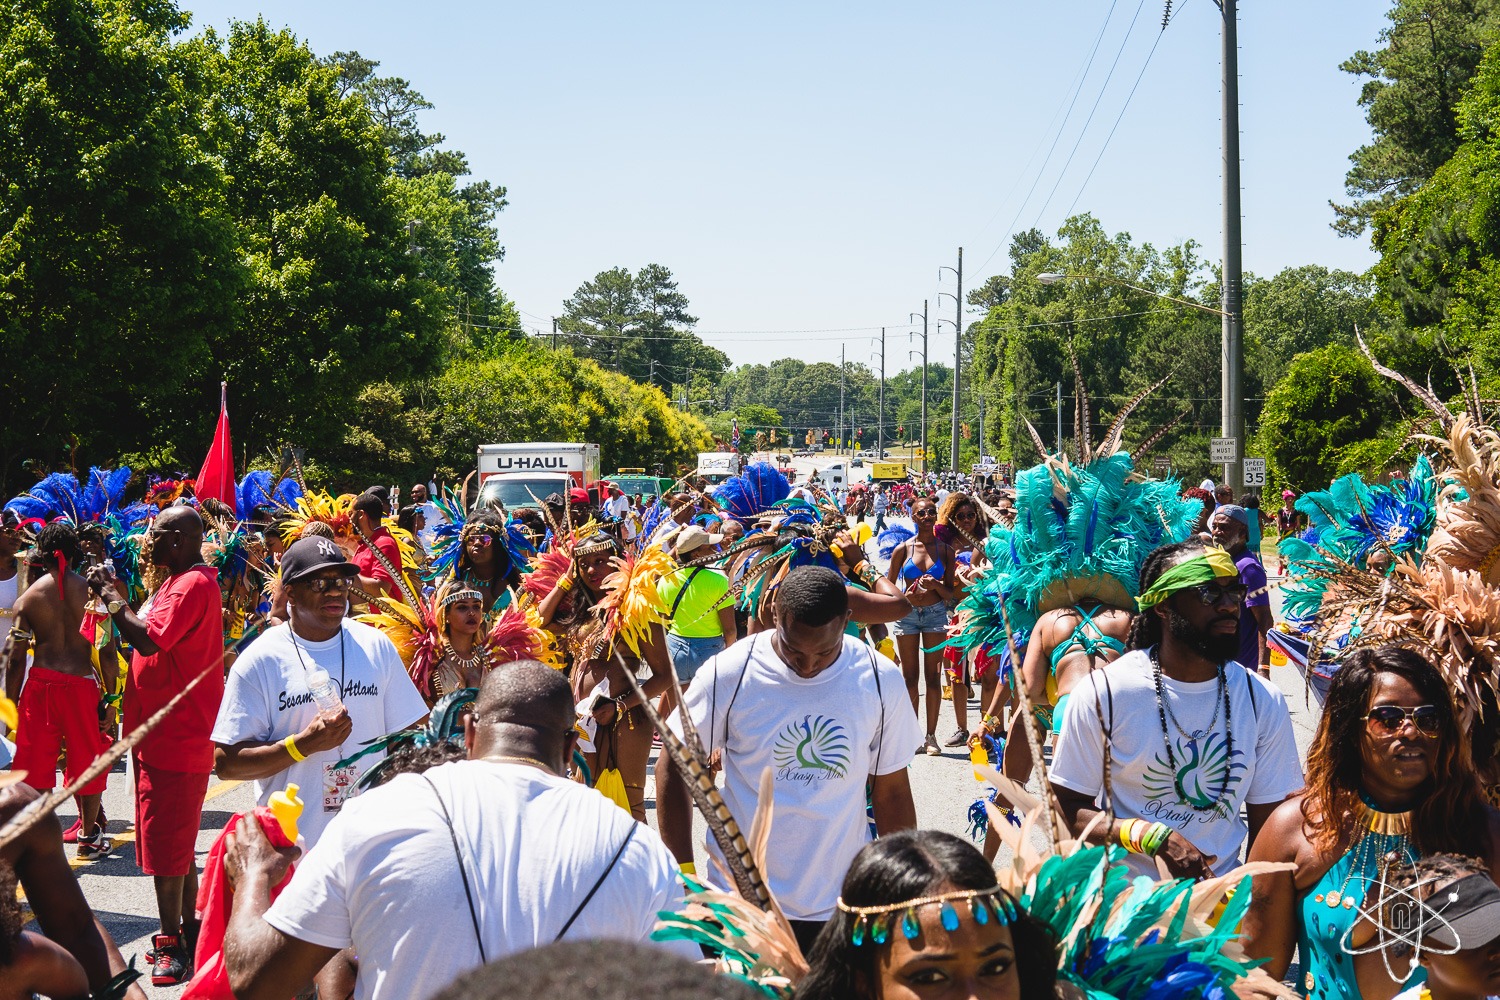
column 927, row 569
column 484, row 563
column 1389, row 781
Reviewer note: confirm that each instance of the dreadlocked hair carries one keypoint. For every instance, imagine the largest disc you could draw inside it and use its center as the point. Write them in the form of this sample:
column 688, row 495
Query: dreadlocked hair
column 59, row 536
column 1145, row 629
column 1451, row 816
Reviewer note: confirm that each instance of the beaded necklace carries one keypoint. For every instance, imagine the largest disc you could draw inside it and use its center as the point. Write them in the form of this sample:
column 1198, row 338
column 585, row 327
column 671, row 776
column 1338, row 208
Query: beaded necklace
column 1164, row 710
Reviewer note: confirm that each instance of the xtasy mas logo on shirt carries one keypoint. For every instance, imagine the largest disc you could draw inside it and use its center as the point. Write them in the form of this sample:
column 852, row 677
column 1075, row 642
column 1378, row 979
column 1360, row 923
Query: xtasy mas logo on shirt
column 814, row 749
column 1201, row 786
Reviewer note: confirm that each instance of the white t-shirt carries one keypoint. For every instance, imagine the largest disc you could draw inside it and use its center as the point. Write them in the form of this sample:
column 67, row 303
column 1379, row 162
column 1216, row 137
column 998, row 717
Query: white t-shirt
column 821, row 737
column 266, row 699
column 384, row 879
column 1263, row 768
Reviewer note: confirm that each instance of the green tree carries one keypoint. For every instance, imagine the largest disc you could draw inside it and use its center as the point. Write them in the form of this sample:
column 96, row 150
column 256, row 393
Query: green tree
column 116, row 261
column 1412, row 88
column 1320, row 420
column 639, row 325
column 528, row 394
column 1299, row 310
column 336, row 299
column 1438, row 265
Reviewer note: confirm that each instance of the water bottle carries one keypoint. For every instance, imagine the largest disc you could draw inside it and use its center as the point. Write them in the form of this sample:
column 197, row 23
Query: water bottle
column 324, row 692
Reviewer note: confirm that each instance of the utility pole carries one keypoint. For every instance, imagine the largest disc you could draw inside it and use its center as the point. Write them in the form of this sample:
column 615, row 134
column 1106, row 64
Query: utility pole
column 1232, row 362
column 1059, row 418
column 924, row 382
column 840, row 448
column 554, row 334
column 958, row 350
column 880, row 414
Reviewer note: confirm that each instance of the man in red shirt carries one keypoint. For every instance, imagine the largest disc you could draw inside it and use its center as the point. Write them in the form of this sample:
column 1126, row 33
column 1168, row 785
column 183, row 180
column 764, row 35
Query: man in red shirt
column 180, row 636
column 373, row 577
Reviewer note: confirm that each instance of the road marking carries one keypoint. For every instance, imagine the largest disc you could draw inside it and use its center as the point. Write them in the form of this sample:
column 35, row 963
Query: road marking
column 120, row 839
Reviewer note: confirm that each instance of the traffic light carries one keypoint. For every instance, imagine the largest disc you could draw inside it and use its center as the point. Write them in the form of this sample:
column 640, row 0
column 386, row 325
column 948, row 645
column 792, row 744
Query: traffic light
column 966, row 432
column 773, row 435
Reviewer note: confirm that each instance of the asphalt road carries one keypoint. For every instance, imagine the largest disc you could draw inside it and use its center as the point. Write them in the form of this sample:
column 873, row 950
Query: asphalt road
column 943, row 788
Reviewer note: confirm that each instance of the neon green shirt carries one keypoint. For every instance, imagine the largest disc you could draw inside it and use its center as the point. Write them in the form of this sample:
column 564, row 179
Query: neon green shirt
column 697, row 614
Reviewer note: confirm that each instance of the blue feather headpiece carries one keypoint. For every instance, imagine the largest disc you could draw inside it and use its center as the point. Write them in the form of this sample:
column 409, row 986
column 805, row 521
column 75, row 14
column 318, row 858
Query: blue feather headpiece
column 753, row 492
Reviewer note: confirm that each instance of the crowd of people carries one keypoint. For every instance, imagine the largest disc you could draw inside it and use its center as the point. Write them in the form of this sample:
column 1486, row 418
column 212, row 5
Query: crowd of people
column 448, row 715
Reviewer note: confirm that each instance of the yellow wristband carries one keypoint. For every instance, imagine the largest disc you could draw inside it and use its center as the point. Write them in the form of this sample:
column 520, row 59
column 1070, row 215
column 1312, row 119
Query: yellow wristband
column 291, row 748
column 564, row 583
column 688, row 868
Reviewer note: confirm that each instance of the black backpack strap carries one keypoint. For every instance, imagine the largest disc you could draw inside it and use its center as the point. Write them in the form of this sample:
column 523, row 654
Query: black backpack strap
column 600, row 880
column 714, row 706
column 463, row 873
column 880, row 697
column 683, row 592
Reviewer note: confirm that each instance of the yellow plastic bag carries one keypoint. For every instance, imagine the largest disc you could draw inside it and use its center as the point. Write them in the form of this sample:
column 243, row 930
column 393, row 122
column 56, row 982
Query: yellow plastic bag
column 612, row 786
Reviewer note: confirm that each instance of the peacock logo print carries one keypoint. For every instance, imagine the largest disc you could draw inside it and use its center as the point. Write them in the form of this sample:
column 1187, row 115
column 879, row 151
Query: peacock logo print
column 1202, row 785
column 814, row 749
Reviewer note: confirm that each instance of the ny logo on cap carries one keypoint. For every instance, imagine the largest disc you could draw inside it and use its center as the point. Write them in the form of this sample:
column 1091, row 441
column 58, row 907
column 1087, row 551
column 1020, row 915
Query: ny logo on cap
column 326, row 548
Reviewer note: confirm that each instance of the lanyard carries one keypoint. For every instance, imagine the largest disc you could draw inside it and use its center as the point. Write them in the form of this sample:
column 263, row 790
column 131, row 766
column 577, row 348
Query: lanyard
column 292, row 634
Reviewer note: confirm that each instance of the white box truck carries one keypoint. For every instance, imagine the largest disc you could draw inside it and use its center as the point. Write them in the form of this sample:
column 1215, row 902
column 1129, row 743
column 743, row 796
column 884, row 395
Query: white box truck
column 835, row 476
column 525, row 473
column 717, row 466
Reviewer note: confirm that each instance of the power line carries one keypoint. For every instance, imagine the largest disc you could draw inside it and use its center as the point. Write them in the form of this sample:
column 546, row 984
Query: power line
column 1088, row 121
column 1166, row 20
column 1062, row 126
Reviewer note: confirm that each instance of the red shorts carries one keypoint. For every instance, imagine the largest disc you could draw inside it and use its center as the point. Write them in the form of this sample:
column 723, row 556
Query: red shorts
column 59, row 710
column 168, row 810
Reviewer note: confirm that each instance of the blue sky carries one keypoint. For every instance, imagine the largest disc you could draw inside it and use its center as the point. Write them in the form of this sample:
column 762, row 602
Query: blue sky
column 804, row 168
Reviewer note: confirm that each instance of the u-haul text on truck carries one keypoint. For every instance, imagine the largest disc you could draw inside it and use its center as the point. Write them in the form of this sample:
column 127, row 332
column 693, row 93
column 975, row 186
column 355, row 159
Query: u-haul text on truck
column 525, row 473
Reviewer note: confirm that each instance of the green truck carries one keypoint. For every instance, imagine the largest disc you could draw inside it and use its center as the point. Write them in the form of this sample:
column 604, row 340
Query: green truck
column 633, row 481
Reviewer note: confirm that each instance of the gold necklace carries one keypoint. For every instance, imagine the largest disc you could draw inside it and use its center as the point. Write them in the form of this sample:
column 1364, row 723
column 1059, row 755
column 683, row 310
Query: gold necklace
column 516, row 759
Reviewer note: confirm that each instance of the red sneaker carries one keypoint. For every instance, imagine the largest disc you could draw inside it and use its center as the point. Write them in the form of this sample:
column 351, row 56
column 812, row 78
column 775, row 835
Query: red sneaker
column 169, row 962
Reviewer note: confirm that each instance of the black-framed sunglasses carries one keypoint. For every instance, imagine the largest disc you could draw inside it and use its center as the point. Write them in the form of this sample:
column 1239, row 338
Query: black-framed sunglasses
column 323, row 584
column 1387, row 720
column 1212, row 594
column 156, row 532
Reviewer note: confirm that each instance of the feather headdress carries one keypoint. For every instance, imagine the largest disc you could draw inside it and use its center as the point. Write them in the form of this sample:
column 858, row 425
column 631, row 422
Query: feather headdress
column 259, row 489
column 752, row 492
column 101, row 501
column 334, row 511
column 1080, row 534
column 631, row 604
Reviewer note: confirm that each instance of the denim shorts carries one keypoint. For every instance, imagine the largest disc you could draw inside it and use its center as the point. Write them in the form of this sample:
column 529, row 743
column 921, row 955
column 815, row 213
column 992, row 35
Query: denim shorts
column 688, row 653
column 920, row 621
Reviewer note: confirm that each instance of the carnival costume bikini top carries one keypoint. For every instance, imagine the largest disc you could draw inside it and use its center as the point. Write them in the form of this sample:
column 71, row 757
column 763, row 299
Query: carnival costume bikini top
column 911, row 571
column 1096, row 644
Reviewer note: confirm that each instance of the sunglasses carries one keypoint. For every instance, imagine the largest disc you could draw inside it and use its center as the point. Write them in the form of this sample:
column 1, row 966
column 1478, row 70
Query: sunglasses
column 1212, row 594
column 483, row 539
column 1387, row 720
column 323, row 584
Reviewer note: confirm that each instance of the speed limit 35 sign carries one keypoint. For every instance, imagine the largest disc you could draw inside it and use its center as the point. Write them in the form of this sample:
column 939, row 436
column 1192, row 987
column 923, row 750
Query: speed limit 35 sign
column 1255, row 472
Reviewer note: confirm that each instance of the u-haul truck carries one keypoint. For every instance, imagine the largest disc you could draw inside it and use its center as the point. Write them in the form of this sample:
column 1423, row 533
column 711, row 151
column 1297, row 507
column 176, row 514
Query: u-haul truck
column 524, row 474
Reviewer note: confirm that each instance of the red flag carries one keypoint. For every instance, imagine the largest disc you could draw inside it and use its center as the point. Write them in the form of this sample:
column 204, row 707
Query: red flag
column 217, row 476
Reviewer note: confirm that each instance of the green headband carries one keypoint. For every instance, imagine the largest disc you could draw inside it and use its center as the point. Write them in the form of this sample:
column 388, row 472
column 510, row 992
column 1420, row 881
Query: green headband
column 1214, row 562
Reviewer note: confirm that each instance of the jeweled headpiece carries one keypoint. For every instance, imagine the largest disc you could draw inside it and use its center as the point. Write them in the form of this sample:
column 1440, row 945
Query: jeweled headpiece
column 873, row 923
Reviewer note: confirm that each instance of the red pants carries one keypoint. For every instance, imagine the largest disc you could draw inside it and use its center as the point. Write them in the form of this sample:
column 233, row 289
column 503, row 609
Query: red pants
column 168, row 810
column 59, row 710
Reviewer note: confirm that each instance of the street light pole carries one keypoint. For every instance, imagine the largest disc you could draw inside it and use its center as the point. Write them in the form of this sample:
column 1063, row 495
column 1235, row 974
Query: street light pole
column 1232, row 383
column 880, row 416
column 958, row 350
column 924, row 383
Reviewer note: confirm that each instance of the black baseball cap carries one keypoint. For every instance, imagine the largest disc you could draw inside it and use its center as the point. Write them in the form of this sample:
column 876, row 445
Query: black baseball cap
column 311, row 555
column 1463, row 914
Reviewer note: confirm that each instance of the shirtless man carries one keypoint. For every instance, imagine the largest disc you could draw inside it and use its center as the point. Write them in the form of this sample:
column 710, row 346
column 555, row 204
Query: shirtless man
column 60, row 704
column 41, row 865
